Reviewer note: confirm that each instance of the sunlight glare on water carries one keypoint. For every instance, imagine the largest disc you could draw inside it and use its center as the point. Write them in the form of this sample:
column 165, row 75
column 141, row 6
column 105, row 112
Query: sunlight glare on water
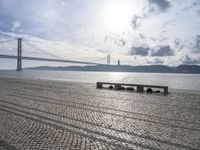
column 116, row 76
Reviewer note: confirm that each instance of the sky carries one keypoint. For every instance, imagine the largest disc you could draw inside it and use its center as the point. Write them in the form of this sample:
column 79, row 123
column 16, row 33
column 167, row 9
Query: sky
column 138, row 32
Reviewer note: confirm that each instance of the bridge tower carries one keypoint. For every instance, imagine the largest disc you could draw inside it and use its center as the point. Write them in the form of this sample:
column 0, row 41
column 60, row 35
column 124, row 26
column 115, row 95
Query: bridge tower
column 118, row 62
column 108, row 59
column 19, row 54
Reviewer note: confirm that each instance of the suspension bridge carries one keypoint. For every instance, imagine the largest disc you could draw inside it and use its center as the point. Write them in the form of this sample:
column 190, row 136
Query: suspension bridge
column 12, row 49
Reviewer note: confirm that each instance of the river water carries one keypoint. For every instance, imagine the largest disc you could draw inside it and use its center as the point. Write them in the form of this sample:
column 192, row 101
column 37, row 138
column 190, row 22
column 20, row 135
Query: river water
column 174, row 81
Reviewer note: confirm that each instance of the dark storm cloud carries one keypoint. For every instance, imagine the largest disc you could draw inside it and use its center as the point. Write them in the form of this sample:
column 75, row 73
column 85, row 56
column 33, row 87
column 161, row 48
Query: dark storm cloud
column 189, row 60
column 162, row 51
column 141, row 51
column 157, row 51
column 162, row 5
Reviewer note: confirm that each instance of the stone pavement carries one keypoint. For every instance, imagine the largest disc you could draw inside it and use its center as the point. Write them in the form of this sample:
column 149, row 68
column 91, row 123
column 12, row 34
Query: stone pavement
column 66, row 115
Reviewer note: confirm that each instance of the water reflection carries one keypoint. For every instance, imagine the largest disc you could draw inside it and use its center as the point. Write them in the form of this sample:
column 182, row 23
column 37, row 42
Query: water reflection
column 176, row 81
column 116, row 76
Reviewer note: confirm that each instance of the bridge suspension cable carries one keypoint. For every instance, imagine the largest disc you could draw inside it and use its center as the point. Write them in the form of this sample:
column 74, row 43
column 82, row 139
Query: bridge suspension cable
column 8, row 47
column 12, row 49
column 7, row 41
column 42, row 51
column 99, row 59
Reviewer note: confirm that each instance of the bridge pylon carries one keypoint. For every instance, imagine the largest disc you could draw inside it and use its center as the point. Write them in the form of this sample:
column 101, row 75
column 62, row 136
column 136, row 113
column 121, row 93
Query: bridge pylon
column 19, row 54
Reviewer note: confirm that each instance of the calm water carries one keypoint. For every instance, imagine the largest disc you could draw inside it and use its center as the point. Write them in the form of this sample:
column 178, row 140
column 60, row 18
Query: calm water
column 175, row 81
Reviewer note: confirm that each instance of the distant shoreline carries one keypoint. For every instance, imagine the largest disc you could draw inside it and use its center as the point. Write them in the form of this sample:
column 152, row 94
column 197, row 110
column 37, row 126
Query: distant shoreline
column 26, row 69
column 187, row 69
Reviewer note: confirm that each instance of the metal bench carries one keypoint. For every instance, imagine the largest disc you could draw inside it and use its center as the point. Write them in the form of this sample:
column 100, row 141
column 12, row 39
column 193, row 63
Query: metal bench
column 140, row 87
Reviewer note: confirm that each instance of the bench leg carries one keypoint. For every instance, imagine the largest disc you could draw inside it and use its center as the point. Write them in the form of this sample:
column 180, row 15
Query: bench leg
column 140, row 88
column 166, row 91
column 117, row 87
column 99, row 85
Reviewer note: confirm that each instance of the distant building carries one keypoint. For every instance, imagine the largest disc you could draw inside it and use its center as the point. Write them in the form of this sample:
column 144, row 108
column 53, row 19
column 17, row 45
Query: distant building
column 108, row 59
column 118, row 62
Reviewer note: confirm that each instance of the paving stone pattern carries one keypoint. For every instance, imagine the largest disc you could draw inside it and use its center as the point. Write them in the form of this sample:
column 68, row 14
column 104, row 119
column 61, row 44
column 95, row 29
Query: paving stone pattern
column 66, row 115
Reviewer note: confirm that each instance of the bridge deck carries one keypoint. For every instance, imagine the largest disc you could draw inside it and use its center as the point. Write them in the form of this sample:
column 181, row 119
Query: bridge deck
column 46, row 59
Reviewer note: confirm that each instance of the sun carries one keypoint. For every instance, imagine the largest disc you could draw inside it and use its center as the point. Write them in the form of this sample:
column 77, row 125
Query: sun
column 117, row 15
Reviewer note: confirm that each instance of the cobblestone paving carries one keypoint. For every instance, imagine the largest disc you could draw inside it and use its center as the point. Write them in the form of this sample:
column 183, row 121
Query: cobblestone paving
column 66, row 115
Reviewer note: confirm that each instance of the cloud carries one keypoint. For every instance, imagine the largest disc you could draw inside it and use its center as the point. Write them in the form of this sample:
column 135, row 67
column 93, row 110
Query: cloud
column 177, row 42
column 158, row 5
column 194, row 4
column 154, row 7
column 191, row 61
column 6, row 22
column 190, row 45
column 194, row 44
column 156, row 61
column 162, row 51
column 198, row 12
column 179, row 45
column 141, row 51
column 142, row 36
column 114, row 39
column 159, row 39
column 50, row 19
column 157, row 51
column 15, row 25
column 120, row 42
column 135, row 21
column 197, row 44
